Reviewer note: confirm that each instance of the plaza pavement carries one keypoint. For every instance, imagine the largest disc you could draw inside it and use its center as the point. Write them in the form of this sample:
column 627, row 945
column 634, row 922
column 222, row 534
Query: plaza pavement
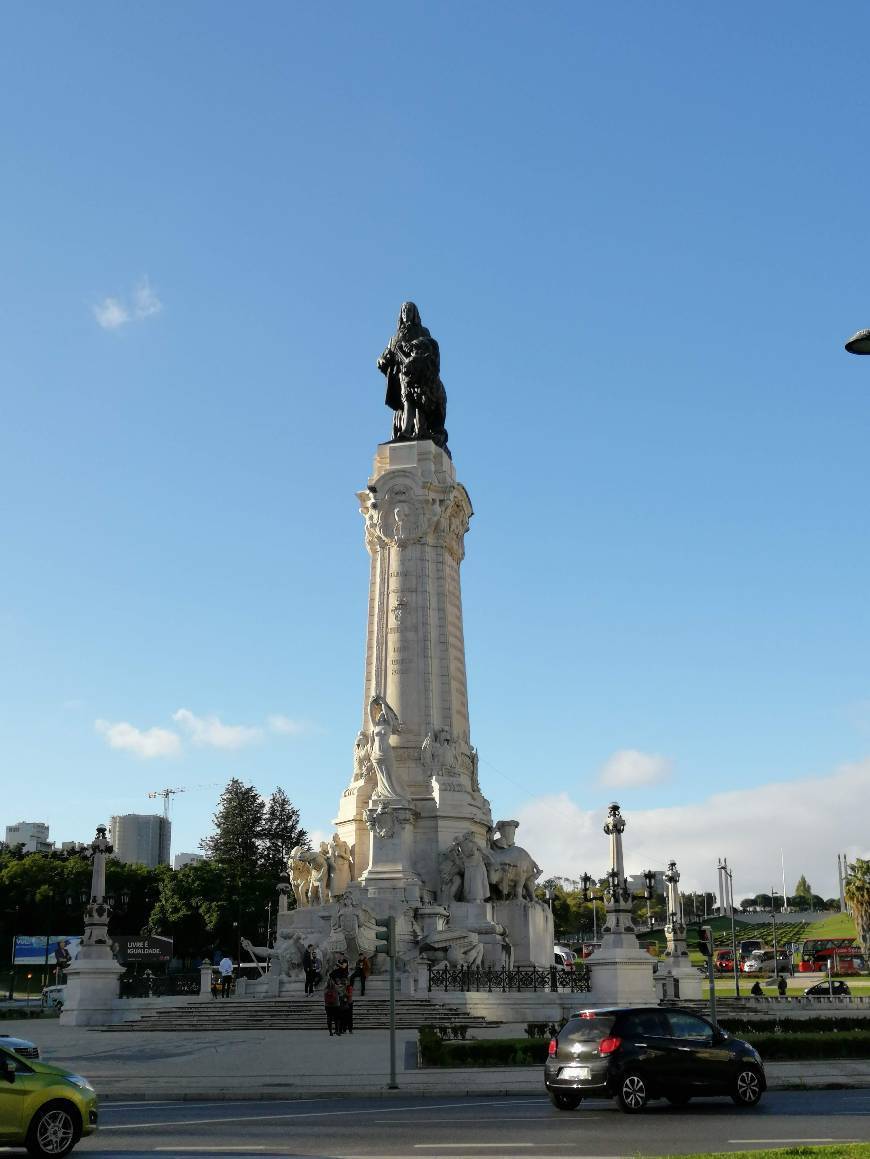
column 264, row 1064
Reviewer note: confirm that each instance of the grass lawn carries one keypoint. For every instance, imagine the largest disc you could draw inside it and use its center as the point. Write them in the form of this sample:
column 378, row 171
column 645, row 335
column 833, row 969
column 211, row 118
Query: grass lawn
column 838, row 1151
column 860, row 987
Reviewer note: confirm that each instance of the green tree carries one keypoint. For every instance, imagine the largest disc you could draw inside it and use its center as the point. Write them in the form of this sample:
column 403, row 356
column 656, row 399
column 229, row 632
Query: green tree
column 238, row 825
column 857, row 890
column 281, row 832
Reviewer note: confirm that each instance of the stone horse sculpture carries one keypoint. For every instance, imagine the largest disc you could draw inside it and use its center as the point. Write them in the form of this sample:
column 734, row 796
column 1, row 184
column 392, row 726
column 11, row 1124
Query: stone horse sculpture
column 512, row 870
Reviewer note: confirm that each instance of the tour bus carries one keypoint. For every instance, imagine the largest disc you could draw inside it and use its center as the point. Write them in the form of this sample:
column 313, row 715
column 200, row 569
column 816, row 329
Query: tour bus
column 844, row 955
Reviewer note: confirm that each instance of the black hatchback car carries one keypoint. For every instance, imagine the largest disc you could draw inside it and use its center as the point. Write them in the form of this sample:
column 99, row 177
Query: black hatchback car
column 635, row 1054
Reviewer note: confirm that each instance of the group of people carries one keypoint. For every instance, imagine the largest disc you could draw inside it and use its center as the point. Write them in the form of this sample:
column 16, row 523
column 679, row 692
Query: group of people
column 338, row 992
column 781, row 986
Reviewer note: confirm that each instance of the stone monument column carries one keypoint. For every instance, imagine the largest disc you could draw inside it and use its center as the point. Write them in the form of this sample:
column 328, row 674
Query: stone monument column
column 416, row 516
column 92, row 979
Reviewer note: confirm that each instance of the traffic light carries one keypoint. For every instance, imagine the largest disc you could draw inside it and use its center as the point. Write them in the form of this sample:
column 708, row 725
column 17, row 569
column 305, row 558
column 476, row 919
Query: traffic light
column 705, row 941
column 385, row 937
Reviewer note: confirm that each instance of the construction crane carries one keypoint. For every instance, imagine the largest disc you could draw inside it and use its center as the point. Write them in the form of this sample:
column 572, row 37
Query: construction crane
column 167, row 793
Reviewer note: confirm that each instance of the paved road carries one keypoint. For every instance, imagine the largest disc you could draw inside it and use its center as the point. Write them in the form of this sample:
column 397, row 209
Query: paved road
column 527, row 1127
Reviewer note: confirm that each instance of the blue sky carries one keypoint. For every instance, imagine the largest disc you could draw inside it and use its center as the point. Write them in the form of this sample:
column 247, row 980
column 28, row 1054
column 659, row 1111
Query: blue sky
column 637, row 232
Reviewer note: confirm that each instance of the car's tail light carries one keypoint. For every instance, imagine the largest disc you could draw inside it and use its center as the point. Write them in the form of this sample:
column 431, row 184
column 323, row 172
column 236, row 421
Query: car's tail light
column 551, row 1049
column 609, row 1045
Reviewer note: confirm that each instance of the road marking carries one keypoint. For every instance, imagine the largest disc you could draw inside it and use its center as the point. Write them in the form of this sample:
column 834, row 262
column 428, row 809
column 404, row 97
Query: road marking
column 243, row 1150
column 496, row 1119
column 304, row 1115
column 476, row 1146
column 800, row 1139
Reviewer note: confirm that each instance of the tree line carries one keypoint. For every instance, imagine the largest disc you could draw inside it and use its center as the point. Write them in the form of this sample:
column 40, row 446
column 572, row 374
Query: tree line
column 205, row 906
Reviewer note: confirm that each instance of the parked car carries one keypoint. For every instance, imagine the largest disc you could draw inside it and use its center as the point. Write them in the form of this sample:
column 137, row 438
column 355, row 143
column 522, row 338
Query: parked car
column 19, row 1045
column 835, row 988
column 43, row 1108
column 635, row 1054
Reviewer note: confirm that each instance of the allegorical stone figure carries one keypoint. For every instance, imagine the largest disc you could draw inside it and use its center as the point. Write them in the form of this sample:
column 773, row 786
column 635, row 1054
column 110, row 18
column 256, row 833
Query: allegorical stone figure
column 384, row 724
column 415, row 392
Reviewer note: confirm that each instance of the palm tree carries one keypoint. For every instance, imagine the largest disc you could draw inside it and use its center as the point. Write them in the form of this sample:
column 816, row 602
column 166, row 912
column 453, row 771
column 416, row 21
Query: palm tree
column 857, row 890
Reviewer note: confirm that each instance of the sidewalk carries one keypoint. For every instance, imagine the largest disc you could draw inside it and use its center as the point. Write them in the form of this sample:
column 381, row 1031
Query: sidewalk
column 260, row 1064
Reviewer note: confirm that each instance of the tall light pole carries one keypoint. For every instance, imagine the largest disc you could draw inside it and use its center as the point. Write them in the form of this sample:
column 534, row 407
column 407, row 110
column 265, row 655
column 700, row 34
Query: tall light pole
column 727, row 875
column 773, row 918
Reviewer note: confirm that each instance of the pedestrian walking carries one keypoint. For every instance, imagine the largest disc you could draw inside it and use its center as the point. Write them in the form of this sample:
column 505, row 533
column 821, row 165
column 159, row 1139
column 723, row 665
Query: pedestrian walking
column 361, row 971
column 330, row 1005
column 226, row 972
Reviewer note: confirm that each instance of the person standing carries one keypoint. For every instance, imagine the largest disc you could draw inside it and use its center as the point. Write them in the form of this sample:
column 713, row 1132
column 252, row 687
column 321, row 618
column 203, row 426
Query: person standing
column 782, row 985
column 345, row 1006
column 309, row 965
column 361, row 971
column 226, row 970
column 330, row 1005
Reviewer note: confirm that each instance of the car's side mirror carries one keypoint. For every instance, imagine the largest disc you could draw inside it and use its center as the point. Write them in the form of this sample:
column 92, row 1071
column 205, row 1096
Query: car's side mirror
column 7, row 1070
column 720, row 1035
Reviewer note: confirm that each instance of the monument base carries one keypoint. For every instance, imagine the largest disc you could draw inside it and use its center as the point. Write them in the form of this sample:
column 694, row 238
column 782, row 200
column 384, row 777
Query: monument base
column 621, row 975
column 91, row 988
column 529, row 926
column 678, row 978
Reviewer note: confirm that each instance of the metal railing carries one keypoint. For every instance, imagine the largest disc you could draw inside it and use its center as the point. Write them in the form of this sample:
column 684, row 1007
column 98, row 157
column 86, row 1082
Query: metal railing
column 516, row 979
column 159, row 985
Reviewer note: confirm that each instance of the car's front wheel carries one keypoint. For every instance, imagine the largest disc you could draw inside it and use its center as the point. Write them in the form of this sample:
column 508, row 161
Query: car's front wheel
column 54, row 1130
column 747, row 1087
column 565, row 1100
column 632, row 1093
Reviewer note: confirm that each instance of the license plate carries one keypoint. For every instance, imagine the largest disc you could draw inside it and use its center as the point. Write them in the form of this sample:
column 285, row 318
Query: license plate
column 576, row 1072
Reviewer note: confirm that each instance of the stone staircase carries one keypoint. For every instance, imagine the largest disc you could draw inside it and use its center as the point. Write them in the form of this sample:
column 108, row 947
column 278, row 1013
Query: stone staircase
column 369, row 1013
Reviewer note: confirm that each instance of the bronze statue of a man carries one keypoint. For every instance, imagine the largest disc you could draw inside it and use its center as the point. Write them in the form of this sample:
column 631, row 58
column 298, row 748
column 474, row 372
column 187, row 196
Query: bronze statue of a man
column 415, row 392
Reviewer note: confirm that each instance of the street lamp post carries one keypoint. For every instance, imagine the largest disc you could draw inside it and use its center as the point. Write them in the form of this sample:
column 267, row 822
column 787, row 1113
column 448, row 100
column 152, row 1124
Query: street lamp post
column 649, row 877
column 773, row 919
column 729, row 874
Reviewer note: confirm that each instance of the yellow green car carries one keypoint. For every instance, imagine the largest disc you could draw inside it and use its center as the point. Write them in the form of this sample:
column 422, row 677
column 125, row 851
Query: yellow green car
column 43, row 1108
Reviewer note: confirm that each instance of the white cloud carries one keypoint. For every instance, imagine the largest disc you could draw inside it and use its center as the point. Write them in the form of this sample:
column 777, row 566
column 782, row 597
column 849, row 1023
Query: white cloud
column 810, row 820
column 145, row 301
column 285, row 726
column 111, row 314
column 211, row 732
column 628, row 768
column 145, row 743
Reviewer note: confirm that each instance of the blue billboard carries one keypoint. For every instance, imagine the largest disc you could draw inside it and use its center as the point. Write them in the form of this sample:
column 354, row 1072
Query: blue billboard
column 29, row 950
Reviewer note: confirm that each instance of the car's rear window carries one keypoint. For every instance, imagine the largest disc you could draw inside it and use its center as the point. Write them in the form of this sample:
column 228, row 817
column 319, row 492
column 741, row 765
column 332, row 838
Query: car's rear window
column 644, row 1022
column 589, row 1028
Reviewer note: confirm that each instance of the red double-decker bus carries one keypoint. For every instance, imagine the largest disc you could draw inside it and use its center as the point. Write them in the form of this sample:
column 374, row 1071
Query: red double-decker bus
column 844, row 955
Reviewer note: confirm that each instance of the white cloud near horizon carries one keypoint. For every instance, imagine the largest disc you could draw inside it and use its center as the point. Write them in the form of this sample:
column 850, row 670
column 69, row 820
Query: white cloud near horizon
column 145, row 302
column 628, row 768
column 113, row 313
column 145, row 743
column 285, row 725
column 810, row 819
column 211, row 732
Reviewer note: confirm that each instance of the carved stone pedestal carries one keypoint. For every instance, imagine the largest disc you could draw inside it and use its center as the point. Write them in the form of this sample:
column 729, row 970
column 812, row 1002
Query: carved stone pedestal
column 91, row 989
column 529, row 926
column 391, row 850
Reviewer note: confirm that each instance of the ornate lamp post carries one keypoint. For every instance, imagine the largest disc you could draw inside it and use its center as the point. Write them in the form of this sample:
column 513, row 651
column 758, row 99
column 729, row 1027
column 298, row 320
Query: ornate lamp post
column 620, row 972
column 649, row 877
column 617, row 896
